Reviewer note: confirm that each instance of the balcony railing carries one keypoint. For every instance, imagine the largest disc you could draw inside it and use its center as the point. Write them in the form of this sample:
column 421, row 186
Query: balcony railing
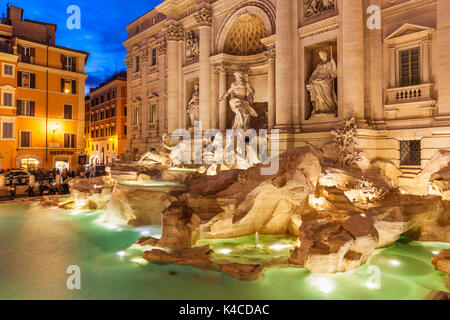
column 409, row 94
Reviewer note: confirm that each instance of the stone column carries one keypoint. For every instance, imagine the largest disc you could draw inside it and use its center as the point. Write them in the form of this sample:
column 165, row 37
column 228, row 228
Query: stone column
column 284, row 64
column 174, row 33
column 271, row 88
column 215, row 99
column 392, row 67
column 204, row 19
column 162, row 116
column 223, row 104
column 352, row 35
column 426, row 61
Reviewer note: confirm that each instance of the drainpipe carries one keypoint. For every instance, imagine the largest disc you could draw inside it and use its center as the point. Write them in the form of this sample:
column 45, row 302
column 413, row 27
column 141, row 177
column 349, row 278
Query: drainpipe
column 46, row 112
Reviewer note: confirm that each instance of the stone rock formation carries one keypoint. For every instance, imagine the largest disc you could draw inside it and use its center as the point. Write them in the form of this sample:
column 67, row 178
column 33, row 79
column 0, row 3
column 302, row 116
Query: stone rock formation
column 441, row 261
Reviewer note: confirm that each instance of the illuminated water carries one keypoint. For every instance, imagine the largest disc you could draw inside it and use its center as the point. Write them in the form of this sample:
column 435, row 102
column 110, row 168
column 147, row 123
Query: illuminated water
column 37, row 246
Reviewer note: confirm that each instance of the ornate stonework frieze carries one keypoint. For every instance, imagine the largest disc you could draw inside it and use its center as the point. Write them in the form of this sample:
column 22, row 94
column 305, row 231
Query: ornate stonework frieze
column 144, row 55
column 203, row 17
column 192, row 46
column 314, row 8
column 162, row 46
column 174, row 33
column 271, row 53
column 129, row 61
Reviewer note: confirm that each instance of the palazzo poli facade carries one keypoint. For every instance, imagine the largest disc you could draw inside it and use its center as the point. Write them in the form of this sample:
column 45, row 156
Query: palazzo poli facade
column 313, row 65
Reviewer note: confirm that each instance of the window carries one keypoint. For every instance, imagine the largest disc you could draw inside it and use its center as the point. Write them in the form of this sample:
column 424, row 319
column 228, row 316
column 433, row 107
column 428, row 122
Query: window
column 25, row 139
column 68, row 86
column 25, row 108
column 125, row 130
column 113, row 94
column 7, row 99
column 108, row 96
column 152, row 114
column 8, row 70
column 26, row 54
column 125, row 111
column 113, row 112
column 409, row 67
column 7, row 130
column 113, row 131
column 136, row 116
column 107, row 113
column 153, row 56
column 137, row 64
column 67, row 111
column 69, row 140
column 26, row 80
column 410, row 153
column 68, row 63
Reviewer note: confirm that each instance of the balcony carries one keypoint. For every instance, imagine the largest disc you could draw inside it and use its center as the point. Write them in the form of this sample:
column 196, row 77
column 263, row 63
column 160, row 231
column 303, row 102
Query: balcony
column 410, row 102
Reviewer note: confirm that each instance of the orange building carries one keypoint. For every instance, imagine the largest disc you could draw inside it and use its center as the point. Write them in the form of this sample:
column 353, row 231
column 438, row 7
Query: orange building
column 106, row 120
column 42, row 96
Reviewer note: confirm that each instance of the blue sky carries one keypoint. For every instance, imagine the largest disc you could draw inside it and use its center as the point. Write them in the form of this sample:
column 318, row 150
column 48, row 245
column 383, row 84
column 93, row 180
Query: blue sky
column 102, row 31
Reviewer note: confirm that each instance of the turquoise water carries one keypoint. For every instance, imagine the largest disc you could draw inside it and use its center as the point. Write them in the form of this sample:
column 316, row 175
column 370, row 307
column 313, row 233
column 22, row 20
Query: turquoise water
column 37, row 247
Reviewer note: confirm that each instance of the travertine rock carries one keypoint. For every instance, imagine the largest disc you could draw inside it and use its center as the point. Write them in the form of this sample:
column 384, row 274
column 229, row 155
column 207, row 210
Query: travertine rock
column 441, row 261
column 243, row 272
column 198, row 256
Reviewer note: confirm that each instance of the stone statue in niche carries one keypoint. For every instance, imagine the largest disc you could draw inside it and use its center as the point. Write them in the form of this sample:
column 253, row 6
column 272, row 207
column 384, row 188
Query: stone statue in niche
column 193, row 109
column 321, row 86
column 192, row 49
column 316, row 7
column 241, row 95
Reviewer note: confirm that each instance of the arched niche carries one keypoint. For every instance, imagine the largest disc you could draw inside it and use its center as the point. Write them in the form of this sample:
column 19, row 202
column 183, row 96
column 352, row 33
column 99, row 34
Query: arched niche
column 263, row 11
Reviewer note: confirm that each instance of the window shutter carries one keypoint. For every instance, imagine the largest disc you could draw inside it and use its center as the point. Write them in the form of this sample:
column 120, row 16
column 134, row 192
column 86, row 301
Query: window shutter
column 32, row 108
column 32, row 52
column 63, row 58
column 62, row 84
column 19, row 78
column 32, row 81
column 74, row 64
column 19, row 108
column 73, row 141
column 74, row 86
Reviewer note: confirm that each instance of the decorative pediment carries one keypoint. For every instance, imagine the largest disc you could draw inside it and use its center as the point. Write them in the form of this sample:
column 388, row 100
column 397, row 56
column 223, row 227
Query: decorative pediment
column 409, row 30
column 152, row 95
column 136, row 100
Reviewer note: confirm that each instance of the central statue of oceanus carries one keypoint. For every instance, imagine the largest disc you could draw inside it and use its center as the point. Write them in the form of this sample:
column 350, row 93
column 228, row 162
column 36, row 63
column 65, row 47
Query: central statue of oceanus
column 321, row 86
column 241, row 96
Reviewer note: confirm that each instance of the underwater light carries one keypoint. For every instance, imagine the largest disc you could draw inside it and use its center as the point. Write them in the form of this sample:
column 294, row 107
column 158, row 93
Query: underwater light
column 139, row 261
column 121, row 253
column 225, row 251
column 323, row 284
column 279, row 247
column 395, row 263
column 372, row 285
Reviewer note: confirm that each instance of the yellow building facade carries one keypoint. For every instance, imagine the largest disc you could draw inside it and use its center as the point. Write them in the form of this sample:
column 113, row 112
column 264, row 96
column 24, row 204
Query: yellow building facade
column 42, row 87
column 106, row 121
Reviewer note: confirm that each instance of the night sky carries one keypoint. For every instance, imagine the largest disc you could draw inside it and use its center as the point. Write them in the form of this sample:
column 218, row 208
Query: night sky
column 102, row 31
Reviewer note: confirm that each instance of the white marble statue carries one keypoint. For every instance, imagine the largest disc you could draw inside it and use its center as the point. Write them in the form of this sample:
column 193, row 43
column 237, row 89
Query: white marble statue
column 321, row 86
column 192, row 49
column 193, row 110
column 241, row 96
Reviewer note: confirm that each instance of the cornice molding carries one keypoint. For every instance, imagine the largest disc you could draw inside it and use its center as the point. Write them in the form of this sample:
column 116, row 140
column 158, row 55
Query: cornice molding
column 319, row 27
column 403, row 8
